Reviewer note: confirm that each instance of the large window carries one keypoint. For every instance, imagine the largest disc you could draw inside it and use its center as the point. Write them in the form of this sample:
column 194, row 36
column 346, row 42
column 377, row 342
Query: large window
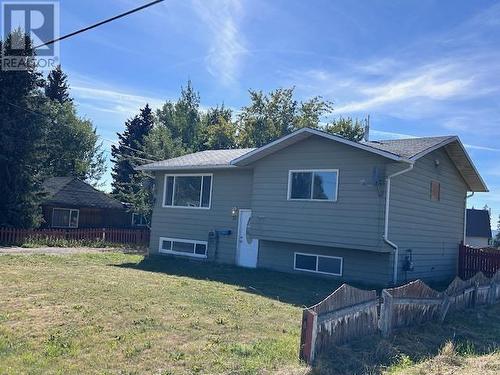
column 321, row 185
column 65, row 218
column 138, row 220
column 318, row 263
column 188, row 191
column 178, row 246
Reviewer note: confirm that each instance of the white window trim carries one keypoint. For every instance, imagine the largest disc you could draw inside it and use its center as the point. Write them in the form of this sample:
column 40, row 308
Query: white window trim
column 194, row 242
column 138, row 225
column 316, row 271
column 289, row 191
column 164, row 205
column 70, row 211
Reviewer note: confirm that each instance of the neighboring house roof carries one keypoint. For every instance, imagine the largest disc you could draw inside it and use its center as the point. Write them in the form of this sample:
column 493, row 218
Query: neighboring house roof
column 72, row 192
column 478, row 223
column 203, row 159
column 402, row 150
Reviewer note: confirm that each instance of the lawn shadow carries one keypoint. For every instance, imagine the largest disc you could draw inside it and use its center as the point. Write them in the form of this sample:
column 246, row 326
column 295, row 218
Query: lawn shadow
column 296, row 289
column 472, row 332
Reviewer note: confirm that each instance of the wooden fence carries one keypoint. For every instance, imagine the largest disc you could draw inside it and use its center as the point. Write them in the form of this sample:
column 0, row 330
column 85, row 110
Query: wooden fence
column 472, row 260
column 346, row 313
column 349, row 312
column 16, row 236
column 410, row 304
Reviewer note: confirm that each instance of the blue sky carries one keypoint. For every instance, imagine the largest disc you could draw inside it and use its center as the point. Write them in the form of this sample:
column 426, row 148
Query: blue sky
column 418, row 68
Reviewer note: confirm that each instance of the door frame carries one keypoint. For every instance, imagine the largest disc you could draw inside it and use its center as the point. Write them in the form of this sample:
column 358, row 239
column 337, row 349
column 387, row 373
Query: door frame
column 238, row 243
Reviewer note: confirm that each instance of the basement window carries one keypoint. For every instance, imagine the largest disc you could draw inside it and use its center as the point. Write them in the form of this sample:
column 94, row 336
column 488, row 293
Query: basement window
column 435, row 191
column 329, row 265
column 177, row 246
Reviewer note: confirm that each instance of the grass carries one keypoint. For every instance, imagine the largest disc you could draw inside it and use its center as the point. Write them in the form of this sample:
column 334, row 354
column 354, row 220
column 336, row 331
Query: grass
column 106, row 313
column 113, row 313
column 34, row 242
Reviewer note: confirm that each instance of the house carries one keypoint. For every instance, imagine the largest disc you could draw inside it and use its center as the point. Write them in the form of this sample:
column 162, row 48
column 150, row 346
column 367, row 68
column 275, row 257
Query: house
column 72, row 203
column 311, row 202
column 478, row 231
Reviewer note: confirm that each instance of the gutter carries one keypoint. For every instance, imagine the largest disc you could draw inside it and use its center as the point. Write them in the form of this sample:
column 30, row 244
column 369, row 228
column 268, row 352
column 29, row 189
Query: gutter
column 465, row 214
column 386, row 226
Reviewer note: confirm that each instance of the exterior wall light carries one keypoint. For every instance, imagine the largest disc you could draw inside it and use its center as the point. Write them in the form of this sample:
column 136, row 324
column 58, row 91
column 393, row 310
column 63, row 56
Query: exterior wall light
column 234, row 212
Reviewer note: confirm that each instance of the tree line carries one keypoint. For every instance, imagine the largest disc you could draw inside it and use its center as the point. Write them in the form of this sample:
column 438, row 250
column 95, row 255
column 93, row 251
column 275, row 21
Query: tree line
column 180, row 126
column 42, row 136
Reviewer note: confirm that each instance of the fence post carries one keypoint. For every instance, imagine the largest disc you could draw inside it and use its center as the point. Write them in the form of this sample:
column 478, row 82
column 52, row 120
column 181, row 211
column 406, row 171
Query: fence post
column 308, row 336
column 444, row 307
column 385, row 323
column 103, row 234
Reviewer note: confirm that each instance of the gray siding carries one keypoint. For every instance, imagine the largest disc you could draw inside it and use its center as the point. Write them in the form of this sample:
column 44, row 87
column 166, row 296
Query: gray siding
column 433, row 230
column 355, row 221
column 358, row 266
column 231, row 188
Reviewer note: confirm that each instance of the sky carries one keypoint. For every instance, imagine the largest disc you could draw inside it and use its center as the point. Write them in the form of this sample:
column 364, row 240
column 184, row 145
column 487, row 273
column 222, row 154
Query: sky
column 417, row 67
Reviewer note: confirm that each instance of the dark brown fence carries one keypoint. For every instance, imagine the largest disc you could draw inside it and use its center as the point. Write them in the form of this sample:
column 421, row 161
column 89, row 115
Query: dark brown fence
column 472, row 261
column 349, row 312
column 16, row 236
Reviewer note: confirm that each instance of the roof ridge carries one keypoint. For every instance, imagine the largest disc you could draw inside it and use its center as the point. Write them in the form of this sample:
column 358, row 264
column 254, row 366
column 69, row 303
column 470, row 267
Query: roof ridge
column 413, row 138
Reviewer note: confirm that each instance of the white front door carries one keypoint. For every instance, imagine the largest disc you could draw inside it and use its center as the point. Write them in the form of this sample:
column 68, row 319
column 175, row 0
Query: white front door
column 248, row 249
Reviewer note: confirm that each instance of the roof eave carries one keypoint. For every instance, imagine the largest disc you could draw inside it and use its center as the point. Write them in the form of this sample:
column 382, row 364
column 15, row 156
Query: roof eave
column 145, row 168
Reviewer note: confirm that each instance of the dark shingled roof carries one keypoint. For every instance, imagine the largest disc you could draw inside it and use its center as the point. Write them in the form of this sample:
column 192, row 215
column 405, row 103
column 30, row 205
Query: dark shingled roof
column 72, row 192
column 478, row 223
column 409, row 147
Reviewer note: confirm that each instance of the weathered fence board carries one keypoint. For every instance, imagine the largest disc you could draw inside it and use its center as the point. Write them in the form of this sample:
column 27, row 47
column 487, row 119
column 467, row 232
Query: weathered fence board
column 346, row 313
column 472, row 260
column 461, row 294
column 408, row 305
column 13, row 236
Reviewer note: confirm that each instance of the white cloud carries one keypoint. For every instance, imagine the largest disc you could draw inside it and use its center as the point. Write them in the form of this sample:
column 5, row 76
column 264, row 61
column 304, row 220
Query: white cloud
column 227, row 46
column 111, row 100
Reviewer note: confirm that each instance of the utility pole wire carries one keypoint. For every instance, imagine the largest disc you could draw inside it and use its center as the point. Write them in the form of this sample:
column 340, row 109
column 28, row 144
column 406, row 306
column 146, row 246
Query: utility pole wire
column 99, row 23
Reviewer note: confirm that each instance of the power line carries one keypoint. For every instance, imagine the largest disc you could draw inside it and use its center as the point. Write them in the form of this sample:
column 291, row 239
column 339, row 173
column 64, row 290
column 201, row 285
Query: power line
column 99, row 23
column 108, row 140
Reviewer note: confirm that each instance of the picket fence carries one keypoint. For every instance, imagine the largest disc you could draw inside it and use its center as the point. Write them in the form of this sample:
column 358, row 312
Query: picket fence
column 16, row 236
column 349, row 312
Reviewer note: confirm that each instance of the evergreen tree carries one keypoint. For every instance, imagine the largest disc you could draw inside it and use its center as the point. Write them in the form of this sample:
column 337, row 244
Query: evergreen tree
column 56, row 87
column 497, row 237
column 346, row 127
column 20, row 134
column 128, row 154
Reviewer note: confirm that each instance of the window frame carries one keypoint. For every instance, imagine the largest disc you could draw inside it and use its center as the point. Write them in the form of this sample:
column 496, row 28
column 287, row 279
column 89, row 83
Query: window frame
column 289, row 190
column 145, row 224
column 69, row 223
column 175, row 175
column 183, row 240
column 317, row 263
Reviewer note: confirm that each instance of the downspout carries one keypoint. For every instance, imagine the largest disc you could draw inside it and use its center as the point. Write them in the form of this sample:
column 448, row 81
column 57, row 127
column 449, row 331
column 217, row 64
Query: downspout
column 465, row 214
column 386, row 227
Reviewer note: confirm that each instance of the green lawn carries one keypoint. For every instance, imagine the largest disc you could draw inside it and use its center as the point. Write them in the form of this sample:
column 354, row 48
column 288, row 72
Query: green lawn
column 114, row 313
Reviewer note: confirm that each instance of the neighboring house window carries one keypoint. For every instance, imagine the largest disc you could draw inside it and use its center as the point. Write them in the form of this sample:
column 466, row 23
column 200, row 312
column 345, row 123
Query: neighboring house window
column 318, row 263
column 321, row 184
column 189, row 191
column 138, row 220
column 435, row 191
column 179, row 246
column 65, row 218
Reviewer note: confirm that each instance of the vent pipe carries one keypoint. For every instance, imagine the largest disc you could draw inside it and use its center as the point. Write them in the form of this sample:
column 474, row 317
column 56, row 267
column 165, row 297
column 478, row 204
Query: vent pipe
column 366, row 136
